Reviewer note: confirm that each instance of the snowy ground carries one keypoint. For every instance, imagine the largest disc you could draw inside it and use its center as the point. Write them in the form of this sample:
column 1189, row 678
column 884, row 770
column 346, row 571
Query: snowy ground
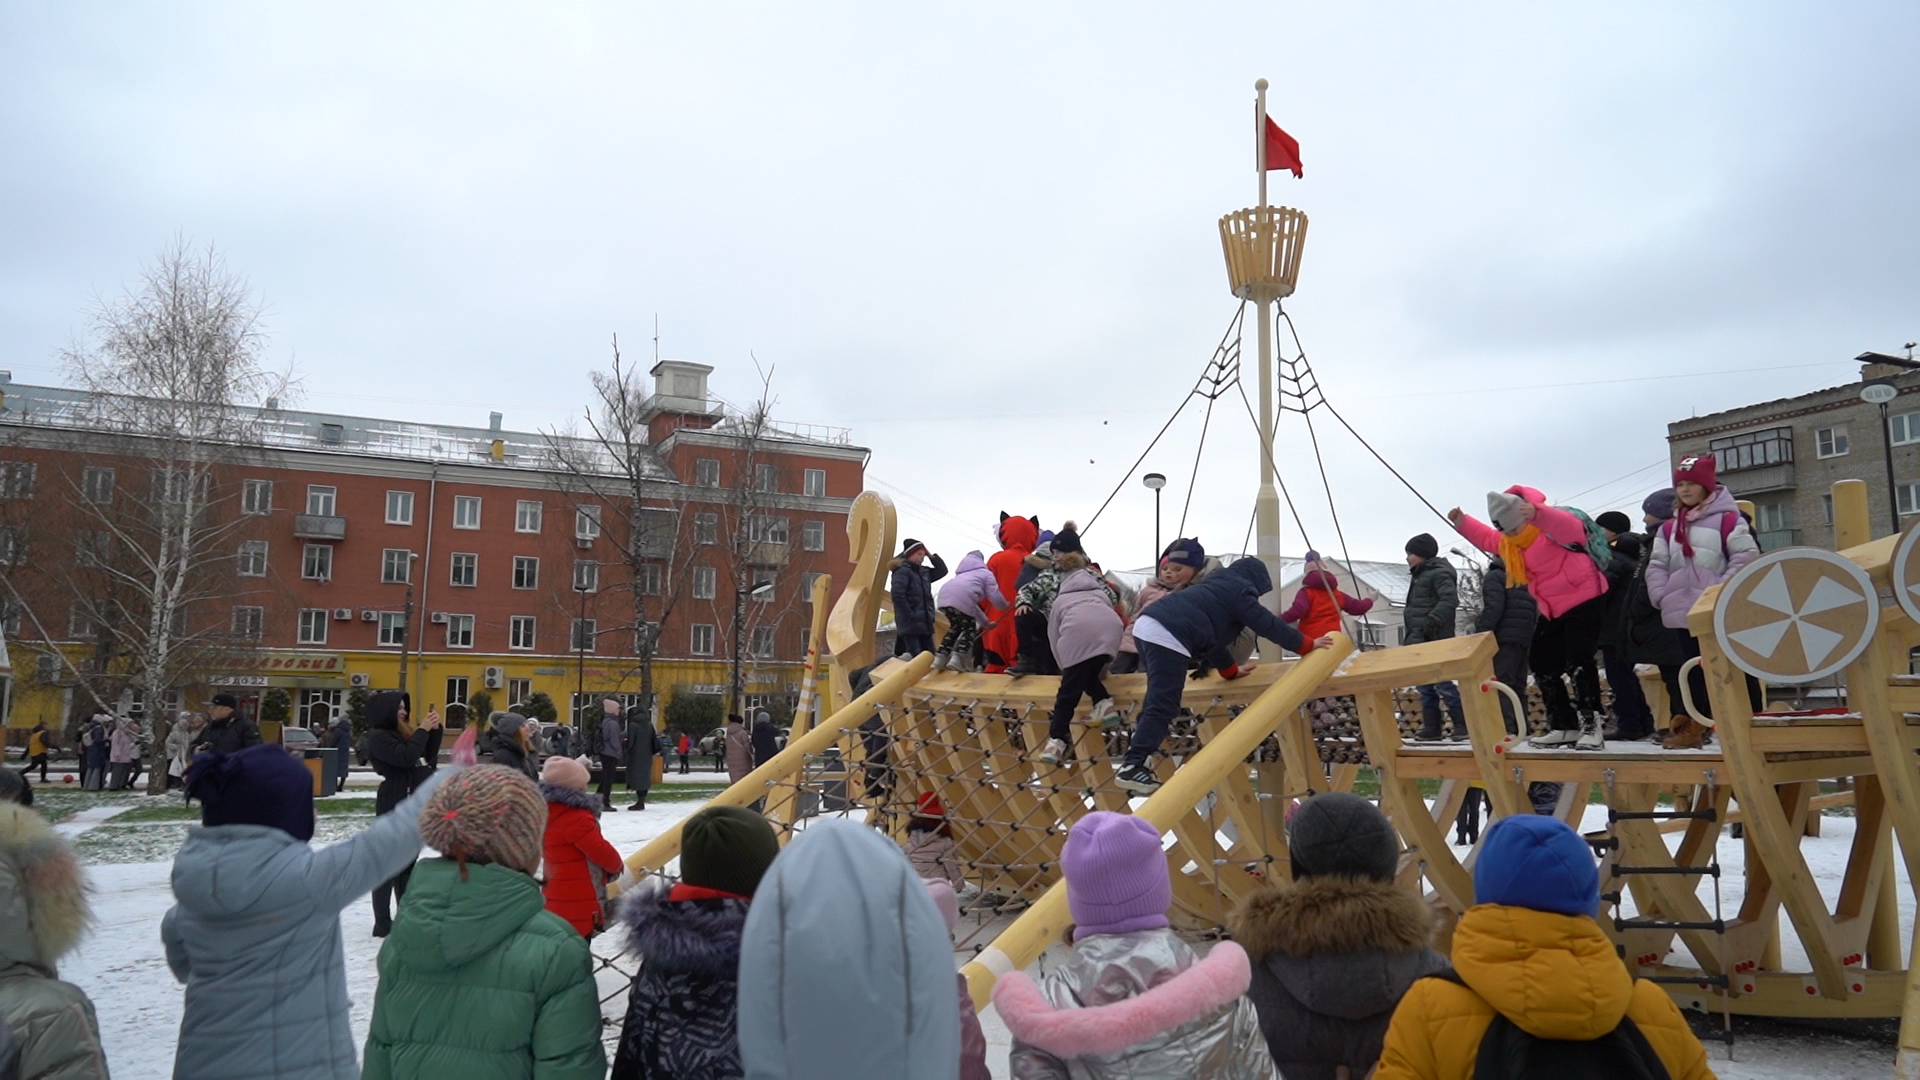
column 121, row 966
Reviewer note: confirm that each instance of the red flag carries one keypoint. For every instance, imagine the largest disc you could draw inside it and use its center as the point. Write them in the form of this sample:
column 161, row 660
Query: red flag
column 1283, row 150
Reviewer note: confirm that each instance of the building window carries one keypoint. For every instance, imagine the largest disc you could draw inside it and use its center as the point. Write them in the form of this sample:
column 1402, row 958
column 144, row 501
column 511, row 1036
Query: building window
column 457, row 693
column 650, row 579
column 766, row 478
column 705, row 582
column 320, row 499
column 10, row 619
column 806, row 642
column 466, row 511
column 393, row 628
column 459, row 631
column 1831, row 441
column 16, row 479
column 764, row 586
column 586, row 523
column 1773, row 517
column 706, row 473
column 816, row 482
column 253, row 558
column 1908, row 497
column 256, row 496
column 1826, row 509
column 91, row 548
column 526, row 516
column 526, row 572
column 767, row 530
column 519, row 690
column 1904, row 428
column 1372, row 635
column 399, row 507
column 813, row 536
column 1753, row 449
column 13, row 545
column 583, row 635
column 760, row 643
column 702, row 642
column 644, row 637
column 396, row 566
column 313, row 626
column 806, row 585
column 520, row 633
column 96, row 485
column 80, row 622
column 466, row 569
column 586, row 576
column 249, row 622
column 706, row 528
column 316, row 562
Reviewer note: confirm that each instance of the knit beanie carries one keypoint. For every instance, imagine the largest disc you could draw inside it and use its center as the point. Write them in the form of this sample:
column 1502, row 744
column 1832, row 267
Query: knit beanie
column 1701, row 469
column 943, row 898
column 565, row 772
column 1067, row 541
column 1185, row 551
column 907, row 548
column 1116, row 875
column 505, row 724
column 727, row 848
column 1659, row 505
column 487, row 814
column 610, row 706
column 14, row 787
column 1424, row 546
column 1312, row 557
column 1614, row 522
column 1507, row 511
column 1537, row 862
column 261, row 785
column 1339, row 833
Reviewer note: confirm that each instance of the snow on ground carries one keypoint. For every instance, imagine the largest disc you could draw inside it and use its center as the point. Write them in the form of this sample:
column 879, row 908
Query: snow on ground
column 121, row 966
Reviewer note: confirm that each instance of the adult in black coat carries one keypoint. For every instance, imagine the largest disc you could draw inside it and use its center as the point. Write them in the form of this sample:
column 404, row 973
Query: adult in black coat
column 404, row 756
column 1632, row 719
column 766, row 738
column 340, row 737
column 911, row 586
column 642, row 743
column 227, row 732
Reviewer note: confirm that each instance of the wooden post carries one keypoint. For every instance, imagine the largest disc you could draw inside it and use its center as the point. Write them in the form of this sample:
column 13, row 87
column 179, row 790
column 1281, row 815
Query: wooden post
column 803, row 712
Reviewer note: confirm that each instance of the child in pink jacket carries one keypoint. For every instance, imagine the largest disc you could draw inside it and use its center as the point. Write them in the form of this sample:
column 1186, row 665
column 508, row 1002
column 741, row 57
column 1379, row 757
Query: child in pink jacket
column 1545, row 549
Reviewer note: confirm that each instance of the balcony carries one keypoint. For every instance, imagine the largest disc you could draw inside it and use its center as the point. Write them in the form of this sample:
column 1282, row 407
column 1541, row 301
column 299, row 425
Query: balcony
column 767, row 553
column 1759, row 480
column 319, row 527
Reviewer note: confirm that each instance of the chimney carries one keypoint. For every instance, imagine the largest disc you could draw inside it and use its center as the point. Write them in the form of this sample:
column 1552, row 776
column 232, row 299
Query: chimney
column 493, row 421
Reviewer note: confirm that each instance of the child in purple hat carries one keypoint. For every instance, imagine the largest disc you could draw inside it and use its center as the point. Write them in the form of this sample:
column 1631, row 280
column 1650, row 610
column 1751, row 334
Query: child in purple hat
column 1133, row 996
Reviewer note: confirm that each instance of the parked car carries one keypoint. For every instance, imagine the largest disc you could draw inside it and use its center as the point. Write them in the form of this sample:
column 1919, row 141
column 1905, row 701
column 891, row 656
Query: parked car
column 298, row 740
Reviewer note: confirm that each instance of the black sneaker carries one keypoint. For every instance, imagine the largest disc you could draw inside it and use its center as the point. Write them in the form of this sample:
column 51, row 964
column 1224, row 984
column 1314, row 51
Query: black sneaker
column 1138, row 779
column 382, row 927
column 1421, row 736
column 1023, row 667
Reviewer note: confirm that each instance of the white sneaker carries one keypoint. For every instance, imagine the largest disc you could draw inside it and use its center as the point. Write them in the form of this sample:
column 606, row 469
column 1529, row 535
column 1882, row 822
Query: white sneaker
column 940, row 661
column 1105, row 714
column 1591, row 738
column 1555, row 740
column 1055, row 752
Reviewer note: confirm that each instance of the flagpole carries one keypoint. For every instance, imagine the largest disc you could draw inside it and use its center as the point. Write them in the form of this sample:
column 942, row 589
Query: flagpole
column 1266, row 505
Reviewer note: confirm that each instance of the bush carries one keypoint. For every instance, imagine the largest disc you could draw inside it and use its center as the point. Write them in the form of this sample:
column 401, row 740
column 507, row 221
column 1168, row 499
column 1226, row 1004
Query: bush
column 479, row 705
column 357, row 709
column 276, row 705
column 540, row 707
column 695, row 714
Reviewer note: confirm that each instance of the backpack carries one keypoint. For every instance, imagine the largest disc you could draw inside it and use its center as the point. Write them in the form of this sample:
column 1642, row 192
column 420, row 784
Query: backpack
column 1728, row 519
column 1508, row 1053
column 1596, row 546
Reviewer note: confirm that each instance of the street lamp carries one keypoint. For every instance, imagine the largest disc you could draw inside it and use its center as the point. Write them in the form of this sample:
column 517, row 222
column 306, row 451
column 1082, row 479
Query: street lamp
column 1881, row 392
column 1155, row 482
column 580, row 641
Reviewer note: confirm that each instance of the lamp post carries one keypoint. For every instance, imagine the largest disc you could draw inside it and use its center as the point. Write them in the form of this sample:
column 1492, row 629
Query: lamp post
column 1155, row 482
column 406, row 620
column 580, row 641
column 1881, row 392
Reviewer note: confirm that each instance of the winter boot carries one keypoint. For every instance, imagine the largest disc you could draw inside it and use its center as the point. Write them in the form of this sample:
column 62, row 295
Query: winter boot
column 1459, row 731
column 1556, row 739
column 1685, row 734
column 940, row 661
column 1429, row 723
column 1590, row 736
column 961, row 662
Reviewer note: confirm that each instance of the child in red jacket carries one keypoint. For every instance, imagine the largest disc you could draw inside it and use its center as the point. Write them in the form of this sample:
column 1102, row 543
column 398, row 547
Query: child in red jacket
column 1317, row 606
column 578, row 859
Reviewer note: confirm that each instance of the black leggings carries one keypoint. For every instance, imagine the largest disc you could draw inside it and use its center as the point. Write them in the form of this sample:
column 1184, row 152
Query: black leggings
column 388, row 894
column 1566, row 645
column 608, row 763
column 1081, row 678
column 1697, row 683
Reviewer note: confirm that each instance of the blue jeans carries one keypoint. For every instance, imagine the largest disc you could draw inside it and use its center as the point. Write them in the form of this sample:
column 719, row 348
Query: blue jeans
column 1434, row 693
column 1166, row 679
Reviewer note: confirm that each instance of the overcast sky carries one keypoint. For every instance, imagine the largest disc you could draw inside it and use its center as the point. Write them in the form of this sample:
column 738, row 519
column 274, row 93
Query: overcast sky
column 983, row 236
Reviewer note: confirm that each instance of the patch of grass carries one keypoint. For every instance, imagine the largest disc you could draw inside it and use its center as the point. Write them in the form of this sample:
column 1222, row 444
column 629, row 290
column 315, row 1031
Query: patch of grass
column 684, row 792
column 175, row 811
column 57, row 802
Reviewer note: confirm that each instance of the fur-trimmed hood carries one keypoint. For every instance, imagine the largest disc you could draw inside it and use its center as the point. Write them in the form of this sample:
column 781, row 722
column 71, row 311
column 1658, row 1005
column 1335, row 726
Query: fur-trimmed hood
column 699, row 938
column 566, row 796
column 44, row 908
column 1336, row 945
column 1204, row 987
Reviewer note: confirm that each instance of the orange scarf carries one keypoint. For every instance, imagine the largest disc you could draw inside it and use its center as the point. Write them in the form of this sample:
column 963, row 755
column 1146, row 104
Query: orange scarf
column 1513, row 551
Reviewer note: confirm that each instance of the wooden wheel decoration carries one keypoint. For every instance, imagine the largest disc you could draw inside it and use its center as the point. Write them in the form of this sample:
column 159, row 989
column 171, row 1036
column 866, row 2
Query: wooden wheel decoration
column 1905, row 571
column 1797, row 615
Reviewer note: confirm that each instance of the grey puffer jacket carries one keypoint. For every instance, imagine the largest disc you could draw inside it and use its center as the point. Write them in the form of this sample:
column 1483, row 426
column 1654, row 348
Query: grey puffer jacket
column 256, row 938
column 1433, row 597
column 1136, row 1005
column 43, row 913
column 1332, row 956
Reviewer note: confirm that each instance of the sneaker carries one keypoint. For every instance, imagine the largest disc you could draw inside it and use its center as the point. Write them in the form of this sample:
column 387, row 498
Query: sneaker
column 1023, row 667
column 1057, row 752
column 961, row 663
column 1556, row 740
column 1590, row 738
column 1105, row 714
column 1428, row 737
column 1138, row 779
column 940, row 661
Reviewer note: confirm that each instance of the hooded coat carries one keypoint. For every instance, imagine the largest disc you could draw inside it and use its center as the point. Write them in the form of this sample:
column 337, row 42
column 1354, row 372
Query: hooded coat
column 403, row 764
column 479, row 981
column 1083, row 623
column 508, row 752
column 683, row 1013
column 1506, row 612
column 1332, row 956
column 1620, row 570
column 43, row 914
column 255, row 935
column 1317, row 607
column 1207, row 616
column 1560, row 573
column 643, row 745
column 1433, row 599
column 842, row 890
column 766, row 739
column 572, row 849
column 1697, row 548
column 1018, row 537
column 973, row 590
column 1553, row 976
column 1136, row 1005
column 739, row 752
column 122, row 747
column 912, row 589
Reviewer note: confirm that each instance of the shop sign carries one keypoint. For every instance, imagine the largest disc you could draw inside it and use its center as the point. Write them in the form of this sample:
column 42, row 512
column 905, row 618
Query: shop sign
column 318, row 663
column 238, row 680
column 549, row 671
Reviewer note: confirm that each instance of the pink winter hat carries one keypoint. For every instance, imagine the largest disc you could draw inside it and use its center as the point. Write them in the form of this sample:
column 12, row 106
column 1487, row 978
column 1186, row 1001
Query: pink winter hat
column 1116, row 875
column 565, row 772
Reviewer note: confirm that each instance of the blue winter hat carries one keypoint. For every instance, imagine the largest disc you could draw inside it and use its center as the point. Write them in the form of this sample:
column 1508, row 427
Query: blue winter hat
column 1185, row 551
column 1536, row 862
column 261, row 785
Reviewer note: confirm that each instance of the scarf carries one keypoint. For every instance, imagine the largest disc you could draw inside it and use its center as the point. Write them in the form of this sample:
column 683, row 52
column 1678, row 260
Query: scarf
column 1513, row 551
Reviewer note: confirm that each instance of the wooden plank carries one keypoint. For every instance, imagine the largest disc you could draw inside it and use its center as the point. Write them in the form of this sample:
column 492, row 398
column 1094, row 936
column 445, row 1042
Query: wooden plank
column 1893, row 743
column 1413, row 665
column 1788, row 738
column 1487, row 730
column 1400, row 798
